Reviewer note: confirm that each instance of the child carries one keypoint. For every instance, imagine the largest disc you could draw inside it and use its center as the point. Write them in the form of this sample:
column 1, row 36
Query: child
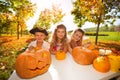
column 39, row 34
column 76, row 39
column 59, row 40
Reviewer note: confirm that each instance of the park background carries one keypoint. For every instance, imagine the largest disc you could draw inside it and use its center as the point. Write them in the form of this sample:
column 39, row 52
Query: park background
column 100, row 19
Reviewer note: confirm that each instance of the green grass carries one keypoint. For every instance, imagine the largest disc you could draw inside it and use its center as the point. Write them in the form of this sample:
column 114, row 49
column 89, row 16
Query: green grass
column 113, row 36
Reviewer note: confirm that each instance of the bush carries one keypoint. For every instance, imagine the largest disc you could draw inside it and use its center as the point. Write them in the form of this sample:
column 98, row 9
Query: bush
column 94, row 34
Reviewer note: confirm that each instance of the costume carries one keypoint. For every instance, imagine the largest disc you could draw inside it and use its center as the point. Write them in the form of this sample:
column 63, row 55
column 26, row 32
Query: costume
column 57, row 47
column 45, row 45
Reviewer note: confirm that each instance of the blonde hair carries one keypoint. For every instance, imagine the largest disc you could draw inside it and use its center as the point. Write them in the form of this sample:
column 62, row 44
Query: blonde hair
column 55, row 39
column 79, row 43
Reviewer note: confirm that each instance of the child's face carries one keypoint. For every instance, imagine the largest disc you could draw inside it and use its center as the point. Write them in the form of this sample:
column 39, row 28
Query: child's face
column 60, row 33
column 39, row 36
column 77, row 36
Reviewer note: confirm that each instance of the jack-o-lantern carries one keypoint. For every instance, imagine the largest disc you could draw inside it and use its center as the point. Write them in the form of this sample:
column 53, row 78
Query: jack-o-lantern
column 83, row 56
column 60, row 55
column 32, row 63
column 101, row 64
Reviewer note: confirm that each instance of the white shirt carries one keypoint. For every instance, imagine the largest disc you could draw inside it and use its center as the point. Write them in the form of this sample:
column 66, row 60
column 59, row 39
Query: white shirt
column 45, row 45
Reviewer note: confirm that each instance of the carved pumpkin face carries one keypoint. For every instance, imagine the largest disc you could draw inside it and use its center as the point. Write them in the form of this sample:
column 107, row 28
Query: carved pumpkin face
column 101, row 64
column 60, row 55
column 83, row 56
column 30, row 64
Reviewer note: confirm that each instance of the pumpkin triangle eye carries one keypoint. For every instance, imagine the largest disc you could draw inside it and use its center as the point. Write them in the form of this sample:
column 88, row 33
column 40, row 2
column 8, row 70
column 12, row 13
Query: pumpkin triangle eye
column 44, row 55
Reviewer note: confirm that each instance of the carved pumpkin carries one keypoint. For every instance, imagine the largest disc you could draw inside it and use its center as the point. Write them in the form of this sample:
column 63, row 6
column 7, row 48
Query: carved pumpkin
column 32, row 63
column 60, row 55
column 83, row 56
column 101, row 64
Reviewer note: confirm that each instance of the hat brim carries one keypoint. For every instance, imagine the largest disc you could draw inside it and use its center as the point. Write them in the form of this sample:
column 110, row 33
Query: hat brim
column 34, row 30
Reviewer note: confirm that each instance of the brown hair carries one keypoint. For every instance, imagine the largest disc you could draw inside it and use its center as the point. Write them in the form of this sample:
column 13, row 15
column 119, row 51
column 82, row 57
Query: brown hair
column 79, row 43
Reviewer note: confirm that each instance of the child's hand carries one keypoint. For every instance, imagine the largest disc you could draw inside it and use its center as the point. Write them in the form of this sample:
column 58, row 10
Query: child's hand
column 31, row 47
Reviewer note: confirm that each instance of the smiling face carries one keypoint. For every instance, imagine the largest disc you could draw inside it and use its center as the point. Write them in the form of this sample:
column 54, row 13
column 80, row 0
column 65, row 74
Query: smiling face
column 60, row 33
column 30, row 64
column 39, row 36
column 77, row 36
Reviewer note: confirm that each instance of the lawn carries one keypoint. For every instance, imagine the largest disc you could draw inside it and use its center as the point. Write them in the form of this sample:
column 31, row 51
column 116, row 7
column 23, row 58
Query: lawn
column 110, row 41
column 112, row 36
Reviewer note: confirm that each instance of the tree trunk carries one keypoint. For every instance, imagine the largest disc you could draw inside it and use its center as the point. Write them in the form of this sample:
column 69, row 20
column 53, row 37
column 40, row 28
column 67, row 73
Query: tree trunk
column 7, row 32
column 99, row 20
column 11, row 32
column 21, row 31
column 0, row 33
column 18, row 30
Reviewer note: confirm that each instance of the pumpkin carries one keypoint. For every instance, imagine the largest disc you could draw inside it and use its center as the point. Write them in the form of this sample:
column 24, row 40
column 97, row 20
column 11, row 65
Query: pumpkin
column 83, row 56
column 94, row 49
column 96, row 52
column 114, row 62
column 101, row 64
column 91, row 46
column 60, row 55
column 32, row 63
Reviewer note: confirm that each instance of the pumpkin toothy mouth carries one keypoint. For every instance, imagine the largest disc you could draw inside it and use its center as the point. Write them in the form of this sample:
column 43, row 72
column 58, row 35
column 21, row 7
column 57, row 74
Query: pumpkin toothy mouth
column 37, row 68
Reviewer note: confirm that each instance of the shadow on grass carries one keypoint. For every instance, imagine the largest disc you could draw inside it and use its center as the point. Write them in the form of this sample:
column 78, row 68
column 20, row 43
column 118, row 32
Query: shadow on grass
column 109, row 45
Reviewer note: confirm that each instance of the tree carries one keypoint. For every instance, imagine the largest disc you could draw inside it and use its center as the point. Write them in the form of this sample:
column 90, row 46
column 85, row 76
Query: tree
column 79, row 19
column 22, row 10
column 111, row 28
column 49, row 17
column 96, row 11
column 117, row 29
column 104, row 28
column 4, row 16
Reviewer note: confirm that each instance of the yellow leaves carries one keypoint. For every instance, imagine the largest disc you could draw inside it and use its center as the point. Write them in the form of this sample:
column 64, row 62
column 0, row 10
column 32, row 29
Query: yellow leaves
column 4, row 16
column 50, row 16
column 13, row 43
column 90, row 8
